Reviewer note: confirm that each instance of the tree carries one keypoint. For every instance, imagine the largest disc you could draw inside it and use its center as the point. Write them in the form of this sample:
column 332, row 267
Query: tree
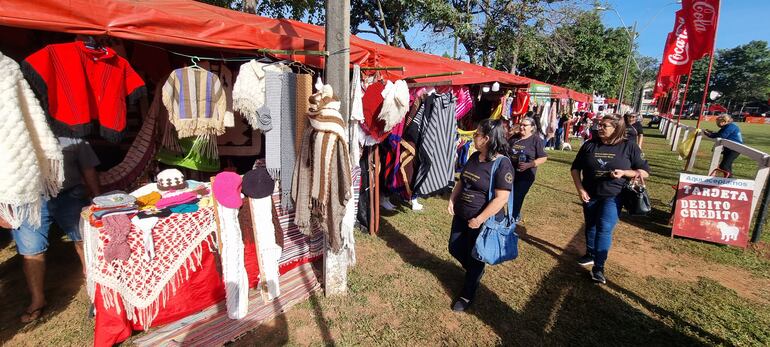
column 388, row 19
column 743, row 73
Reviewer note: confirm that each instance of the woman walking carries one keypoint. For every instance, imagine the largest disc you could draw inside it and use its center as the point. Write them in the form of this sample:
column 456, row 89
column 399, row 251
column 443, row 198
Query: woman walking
column 527, row 152
column 600, row 170
column 470, row 206
column 728, row 131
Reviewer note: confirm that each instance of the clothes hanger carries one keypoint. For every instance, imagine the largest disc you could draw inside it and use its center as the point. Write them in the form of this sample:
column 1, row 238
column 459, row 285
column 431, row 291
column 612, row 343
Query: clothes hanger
column 195, row 61
column 275, row 63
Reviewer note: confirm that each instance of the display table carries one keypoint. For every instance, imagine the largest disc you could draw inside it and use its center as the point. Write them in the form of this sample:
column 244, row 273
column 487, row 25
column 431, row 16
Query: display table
column 183, row 278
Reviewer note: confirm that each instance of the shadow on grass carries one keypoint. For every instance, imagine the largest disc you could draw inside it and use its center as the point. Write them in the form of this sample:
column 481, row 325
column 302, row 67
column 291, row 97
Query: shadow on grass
column 656, row 221
column 63, row 280
column 565, row 309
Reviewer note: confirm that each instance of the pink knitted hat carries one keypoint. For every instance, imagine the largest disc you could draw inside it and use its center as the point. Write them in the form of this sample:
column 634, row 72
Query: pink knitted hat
column 227, row 189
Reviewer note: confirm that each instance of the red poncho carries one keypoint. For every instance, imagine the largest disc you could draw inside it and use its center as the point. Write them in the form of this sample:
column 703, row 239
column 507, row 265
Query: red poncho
column 78, row 85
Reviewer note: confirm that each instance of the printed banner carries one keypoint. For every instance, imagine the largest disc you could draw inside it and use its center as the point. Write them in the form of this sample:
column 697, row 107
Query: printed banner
column 663, row 84
column 676, row 55
column 758, row 120
column 713, row 209
column 701, row 18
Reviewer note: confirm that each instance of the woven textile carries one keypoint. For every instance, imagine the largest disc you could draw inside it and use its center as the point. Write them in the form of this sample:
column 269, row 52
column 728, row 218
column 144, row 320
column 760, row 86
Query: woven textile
column 30, row 154
column 437, row 144
column 288, row 129
column 196, row 102
column 269, row 251
column 249, row 95
column 304, row 91
column 143, row 285
column 273, row 93
column 233, row 270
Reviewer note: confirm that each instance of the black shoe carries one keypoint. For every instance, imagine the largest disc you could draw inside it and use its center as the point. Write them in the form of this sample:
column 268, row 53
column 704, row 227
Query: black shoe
column 598, row 276
column 586, row 260
column 461, row 304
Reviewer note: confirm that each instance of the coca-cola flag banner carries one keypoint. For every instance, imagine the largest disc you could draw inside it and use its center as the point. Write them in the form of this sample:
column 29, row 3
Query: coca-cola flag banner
column 676, row 56
column 663, row 83
column 701, row 18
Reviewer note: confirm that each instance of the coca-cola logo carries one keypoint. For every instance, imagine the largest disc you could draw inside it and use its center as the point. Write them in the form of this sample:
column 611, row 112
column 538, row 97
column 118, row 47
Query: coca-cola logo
column 703, row 14
column 681, row 54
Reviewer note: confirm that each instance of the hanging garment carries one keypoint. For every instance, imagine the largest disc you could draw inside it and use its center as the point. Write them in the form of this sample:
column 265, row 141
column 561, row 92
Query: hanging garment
column 196, row 102
column 553, row 121
column 269, row 252
column 221, row 70
column 32, row 158
column 197, row 153
column 275, row 81
column 464, row 101
column 372, row 100
column 363, row 215
column 321, row 184
column 438, row 145
column 226, row 191
column 288, row 129
column 77, row 85
column 395, row 104
column 304, row 91
column 356, row 116
column 249, row 95
column 544, row 117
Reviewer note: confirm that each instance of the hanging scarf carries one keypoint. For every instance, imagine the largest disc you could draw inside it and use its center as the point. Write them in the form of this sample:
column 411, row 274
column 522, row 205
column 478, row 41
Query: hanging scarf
column 356, row 115
column 304, row 91
column 274, row 81
column 395, row 104
column 288, row 128
column 321, row 182
column 31, row 156
column 249, row 95
column 196, row 102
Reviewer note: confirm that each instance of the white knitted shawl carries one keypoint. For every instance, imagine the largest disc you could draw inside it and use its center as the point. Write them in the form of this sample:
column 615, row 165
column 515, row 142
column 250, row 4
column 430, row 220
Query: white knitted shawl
column 395, row 104
column 25, row 178
column 249, row 95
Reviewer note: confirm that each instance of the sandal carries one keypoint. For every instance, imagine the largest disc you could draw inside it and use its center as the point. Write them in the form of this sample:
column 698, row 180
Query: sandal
column 33, row 315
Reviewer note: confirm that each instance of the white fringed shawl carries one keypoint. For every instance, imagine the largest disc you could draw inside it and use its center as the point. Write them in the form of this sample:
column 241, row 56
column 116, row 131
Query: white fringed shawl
column 249, row 95
column 24, row 178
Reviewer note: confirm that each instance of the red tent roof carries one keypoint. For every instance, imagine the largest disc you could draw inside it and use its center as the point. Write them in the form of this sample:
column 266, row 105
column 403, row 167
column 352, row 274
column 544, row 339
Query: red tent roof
column 717, row 108
column 191, row 23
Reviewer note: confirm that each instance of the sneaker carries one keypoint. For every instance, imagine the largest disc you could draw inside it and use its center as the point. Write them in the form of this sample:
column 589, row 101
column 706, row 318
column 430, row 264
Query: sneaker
column 387, row 205
column 416, row 206
column 586, row 260
column 461, row 304
column 598, row 276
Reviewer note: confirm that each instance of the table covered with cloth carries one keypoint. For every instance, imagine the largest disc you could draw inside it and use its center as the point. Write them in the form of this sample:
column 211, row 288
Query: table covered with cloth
column 183, row 278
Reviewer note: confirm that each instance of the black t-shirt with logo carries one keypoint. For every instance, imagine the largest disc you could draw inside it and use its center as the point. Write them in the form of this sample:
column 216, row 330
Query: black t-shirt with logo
column 533, row 147
column 475, row 180
column 596, row 160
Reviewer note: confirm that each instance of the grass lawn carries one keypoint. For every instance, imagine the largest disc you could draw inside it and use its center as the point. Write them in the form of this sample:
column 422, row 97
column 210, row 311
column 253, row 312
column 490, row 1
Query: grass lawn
column 661, row 290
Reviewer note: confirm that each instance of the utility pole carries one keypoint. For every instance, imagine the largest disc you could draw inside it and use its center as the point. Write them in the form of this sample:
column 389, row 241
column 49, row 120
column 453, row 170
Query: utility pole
column 631, row 40
column 337, row 71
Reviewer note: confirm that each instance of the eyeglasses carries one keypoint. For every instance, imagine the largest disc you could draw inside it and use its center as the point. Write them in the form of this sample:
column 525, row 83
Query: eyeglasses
column 525, row 125
column 606, row 125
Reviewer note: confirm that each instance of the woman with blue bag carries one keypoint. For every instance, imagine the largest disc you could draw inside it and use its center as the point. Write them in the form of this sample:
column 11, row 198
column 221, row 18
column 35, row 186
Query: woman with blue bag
column 470, row 202
column 600, row 170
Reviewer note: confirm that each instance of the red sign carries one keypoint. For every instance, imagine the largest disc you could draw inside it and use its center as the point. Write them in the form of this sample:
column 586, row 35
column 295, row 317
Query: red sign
column 701, row 18
column 676, row 56
column 713, row 209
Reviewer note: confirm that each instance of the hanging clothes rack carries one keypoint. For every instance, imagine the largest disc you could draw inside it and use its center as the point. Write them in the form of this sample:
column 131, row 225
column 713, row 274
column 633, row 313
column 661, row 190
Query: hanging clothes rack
column 429, row 84
column 441, row 74
column 383, row 68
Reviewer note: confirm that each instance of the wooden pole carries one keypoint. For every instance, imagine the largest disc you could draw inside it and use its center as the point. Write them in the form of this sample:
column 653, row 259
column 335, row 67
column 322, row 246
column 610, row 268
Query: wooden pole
column 337, row 71
column 684, row 97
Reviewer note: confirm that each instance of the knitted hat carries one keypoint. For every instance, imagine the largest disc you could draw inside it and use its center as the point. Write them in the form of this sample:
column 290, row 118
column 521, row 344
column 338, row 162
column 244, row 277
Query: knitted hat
column 227, row 189
column 257, row 183
column 171, row 179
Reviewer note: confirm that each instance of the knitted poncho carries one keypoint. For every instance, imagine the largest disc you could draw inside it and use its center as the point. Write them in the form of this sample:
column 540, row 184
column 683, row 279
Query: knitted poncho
column 196, row 102
column 30, row 154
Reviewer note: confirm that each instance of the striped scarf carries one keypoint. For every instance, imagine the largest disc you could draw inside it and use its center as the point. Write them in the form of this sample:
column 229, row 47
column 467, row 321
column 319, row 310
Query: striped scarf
column 196, row 102
column 321, row 182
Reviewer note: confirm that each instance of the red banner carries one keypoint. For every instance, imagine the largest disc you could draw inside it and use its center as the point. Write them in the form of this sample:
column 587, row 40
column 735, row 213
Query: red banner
column 713, row 209
column 676, row 55
column 701, row 18
column 663, row 84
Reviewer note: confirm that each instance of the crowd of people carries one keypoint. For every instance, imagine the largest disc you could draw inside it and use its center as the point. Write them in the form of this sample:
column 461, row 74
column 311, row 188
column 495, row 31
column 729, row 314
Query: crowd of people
column 610, row 155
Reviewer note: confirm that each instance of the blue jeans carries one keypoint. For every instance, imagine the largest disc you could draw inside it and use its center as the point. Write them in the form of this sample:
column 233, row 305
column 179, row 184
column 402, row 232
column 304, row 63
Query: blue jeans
column 64, row 209
column 559, row 136
column 520, row 190
column 461, row 242
column 601, row 216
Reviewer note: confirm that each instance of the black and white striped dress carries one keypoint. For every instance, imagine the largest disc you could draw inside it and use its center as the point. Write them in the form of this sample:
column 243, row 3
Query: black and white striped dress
column 438, row 128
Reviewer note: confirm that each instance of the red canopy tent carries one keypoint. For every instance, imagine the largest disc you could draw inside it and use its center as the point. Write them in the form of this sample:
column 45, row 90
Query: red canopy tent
column 716, row 108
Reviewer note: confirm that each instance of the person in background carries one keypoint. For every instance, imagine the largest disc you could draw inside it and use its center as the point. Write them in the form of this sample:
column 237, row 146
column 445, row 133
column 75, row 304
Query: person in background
column 600, row 170
column 470, row 206
column 728, row 131
column 561, row 126
column 80, row 180
column 634, row 131
column 527, row 152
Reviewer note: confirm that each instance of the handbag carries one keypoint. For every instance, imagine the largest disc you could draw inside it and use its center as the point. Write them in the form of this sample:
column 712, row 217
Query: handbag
column 497, row 241
column 635, row 198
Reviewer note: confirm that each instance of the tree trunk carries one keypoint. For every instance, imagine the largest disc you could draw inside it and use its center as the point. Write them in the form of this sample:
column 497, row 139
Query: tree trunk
column 384, row 24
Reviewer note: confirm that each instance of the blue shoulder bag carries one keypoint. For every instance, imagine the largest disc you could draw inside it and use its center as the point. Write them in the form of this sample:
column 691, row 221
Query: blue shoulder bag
column 497, row 241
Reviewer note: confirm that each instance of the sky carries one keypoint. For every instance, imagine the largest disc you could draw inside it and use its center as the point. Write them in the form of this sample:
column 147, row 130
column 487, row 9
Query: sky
column 740, row 21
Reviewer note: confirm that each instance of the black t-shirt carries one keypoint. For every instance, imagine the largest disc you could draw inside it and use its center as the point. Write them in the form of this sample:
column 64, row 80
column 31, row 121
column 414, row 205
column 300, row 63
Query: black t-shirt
column 533, row 147
column 639, row 128
column 631, row 134
column 475, row 181
column 596, row 160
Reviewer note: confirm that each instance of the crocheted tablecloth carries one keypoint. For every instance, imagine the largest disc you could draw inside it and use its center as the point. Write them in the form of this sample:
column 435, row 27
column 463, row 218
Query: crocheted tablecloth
column 144, row 285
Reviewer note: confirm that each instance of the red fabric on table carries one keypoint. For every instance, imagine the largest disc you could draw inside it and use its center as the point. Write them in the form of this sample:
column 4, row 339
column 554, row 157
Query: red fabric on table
column 203, row 289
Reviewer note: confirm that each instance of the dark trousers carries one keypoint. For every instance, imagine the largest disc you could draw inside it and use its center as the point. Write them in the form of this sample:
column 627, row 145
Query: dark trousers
column 728, row 157
column 520, row 190
column 461, row 242
column 601, row 216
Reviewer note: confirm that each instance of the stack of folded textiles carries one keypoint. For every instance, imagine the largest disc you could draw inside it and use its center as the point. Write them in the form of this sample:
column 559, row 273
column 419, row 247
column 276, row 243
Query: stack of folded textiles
column 112, row 203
